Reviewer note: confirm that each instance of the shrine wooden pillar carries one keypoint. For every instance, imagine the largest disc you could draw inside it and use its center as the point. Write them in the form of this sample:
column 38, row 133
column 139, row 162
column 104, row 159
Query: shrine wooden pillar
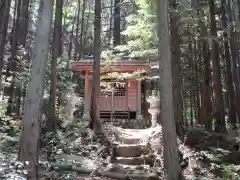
column 139, row 101
column 86, row 115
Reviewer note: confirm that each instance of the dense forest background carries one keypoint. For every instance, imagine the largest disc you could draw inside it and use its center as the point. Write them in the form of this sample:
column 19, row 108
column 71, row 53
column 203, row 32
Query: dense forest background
column 192, row 46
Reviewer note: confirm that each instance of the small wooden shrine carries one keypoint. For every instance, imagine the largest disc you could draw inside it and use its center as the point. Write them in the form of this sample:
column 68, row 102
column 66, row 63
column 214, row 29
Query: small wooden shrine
column 120, row 96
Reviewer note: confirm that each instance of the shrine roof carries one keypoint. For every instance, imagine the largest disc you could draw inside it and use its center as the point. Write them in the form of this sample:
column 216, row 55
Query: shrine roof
column 122, row 65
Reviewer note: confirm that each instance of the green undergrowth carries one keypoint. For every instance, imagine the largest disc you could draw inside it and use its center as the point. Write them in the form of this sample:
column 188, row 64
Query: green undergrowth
column 212, row 149
column 230, row 172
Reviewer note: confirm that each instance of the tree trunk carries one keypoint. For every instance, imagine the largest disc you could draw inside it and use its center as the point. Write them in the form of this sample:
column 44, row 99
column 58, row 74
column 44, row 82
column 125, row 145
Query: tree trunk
column 230, row 88
column 207, row 103
column 22, row 39
column 24, row 22
column 192, row 104
column 3, row 31
column 28, row 150
column 77, row 31
column 56, row 52
column 236, row 11
column 13, row 62
column 176, row 66
column 217, row 85
column 236, row 77
column 82, row 30
column 71, row 39
column 95, row 116
column 110, row 23
column 196, row 87
column 191, row 108
column 171, row 159
column 117, row 23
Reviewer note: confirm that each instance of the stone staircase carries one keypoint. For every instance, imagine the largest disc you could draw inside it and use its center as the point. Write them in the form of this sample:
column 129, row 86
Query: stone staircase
column 132, row 158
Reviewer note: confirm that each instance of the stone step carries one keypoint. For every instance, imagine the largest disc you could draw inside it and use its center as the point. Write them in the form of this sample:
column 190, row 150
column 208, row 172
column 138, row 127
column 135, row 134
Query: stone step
column 147, row 160
column 130, row 150
column 139, row 172
column 130, row 140
column 132, row 176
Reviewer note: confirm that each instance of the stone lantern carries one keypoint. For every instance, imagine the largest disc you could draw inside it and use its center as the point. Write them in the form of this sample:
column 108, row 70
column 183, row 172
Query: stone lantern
column 154, row 102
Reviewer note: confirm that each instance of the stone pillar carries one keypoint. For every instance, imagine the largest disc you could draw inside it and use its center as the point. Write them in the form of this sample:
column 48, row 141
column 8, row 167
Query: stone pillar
column 139, row 102
column 86, row 115
column 154, row 102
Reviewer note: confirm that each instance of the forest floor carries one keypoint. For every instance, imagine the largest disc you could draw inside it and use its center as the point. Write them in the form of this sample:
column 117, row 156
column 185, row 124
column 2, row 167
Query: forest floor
column 71, row 154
